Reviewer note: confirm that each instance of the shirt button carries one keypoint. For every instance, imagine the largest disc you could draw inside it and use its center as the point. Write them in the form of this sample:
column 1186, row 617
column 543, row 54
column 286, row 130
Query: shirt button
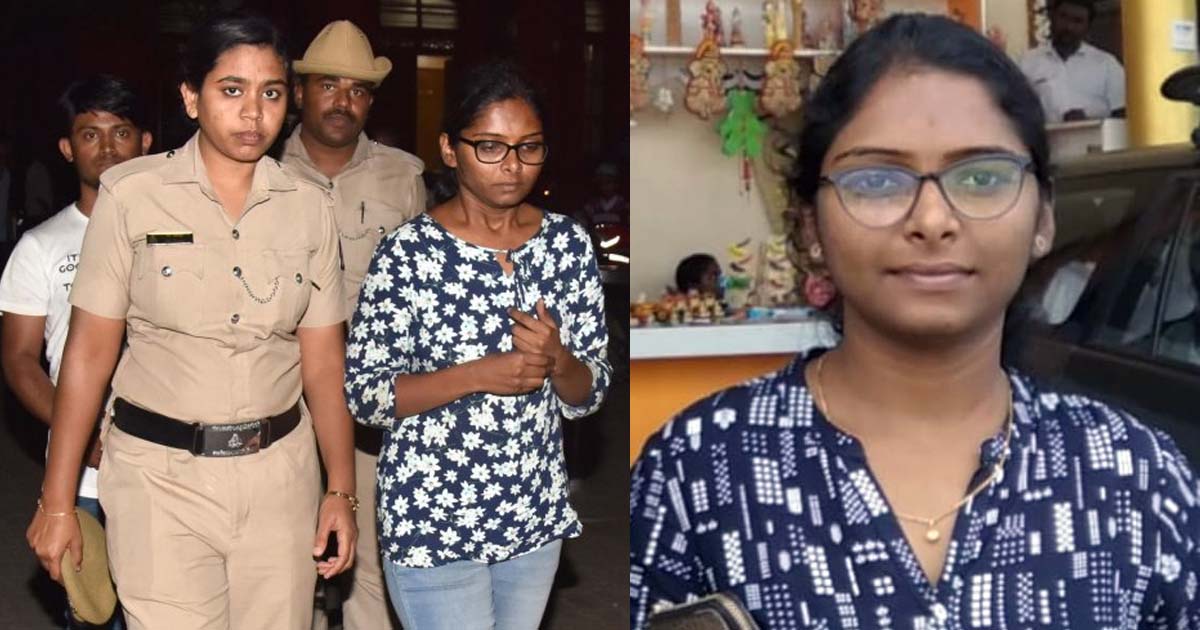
column 381, row 229
column 235, row 319
column 237, row 272
column 236, row 234
column 299, row 279
column 167, row 271
column 331, row 185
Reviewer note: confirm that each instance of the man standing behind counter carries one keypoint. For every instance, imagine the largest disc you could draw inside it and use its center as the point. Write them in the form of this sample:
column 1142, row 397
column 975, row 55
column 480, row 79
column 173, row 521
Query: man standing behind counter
column 375, row 188
column 1075, row 80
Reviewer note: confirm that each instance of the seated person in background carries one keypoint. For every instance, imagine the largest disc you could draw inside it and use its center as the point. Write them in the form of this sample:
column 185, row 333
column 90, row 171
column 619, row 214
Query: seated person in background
column 1073, row 79
column 701, row 272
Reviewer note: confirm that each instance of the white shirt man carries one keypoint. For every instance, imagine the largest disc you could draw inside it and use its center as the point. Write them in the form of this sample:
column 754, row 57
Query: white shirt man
column 1089, row 80
column 37, row 281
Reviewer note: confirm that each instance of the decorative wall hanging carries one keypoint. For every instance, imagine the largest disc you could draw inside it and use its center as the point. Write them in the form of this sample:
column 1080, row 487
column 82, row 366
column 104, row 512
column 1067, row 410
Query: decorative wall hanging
column 664, row 99
column 639, row 74
column 783, row 86
column 705, row 92
column 742, row 132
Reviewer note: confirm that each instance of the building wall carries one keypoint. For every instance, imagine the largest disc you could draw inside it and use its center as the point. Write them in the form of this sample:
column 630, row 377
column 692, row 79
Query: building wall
column 686, row 198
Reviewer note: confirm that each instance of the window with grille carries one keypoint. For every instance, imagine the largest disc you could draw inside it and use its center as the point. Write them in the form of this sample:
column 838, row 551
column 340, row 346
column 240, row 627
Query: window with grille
column 423, row 14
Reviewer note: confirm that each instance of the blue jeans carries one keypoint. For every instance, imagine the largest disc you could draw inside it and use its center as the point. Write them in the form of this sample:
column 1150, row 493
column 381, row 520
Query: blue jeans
column 468, row 595
column 92, row 506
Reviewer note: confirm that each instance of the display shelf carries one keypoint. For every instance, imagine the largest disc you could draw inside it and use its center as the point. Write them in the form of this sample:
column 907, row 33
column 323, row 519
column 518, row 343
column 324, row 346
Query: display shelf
column 717, row 340
column 737, row 51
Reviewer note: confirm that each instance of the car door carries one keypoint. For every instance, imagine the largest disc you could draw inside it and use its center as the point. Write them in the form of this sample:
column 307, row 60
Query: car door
column 1131, row 337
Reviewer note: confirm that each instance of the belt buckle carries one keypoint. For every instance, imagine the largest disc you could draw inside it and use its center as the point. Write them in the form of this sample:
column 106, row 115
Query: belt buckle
column 230, row 440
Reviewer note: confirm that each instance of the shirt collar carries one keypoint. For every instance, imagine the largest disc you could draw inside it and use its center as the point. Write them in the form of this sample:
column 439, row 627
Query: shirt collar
column 185, row 166
column 1085, row 49
column 294, row 147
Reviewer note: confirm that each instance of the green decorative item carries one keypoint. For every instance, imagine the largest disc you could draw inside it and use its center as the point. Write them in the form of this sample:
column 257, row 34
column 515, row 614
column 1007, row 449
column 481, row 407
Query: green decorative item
column 741, row 129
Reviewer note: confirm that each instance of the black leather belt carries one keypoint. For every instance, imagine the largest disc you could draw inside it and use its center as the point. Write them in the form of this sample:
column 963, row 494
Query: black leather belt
column 209, row 440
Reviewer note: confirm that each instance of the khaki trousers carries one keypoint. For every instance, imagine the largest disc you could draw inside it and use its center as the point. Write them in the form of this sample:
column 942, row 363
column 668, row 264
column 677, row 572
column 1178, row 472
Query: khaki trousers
column 212, row 543
column 367, row 607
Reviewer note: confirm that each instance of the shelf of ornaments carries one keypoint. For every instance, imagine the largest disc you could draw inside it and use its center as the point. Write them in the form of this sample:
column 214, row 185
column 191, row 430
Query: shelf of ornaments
column 736, row 51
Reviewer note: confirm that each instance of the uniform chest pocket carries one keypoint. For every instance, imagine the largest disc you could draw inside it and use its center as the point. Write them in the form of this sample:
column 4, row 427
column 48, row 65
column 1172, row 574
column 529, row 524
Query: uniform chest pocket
column 169, row 289
column 290, row 269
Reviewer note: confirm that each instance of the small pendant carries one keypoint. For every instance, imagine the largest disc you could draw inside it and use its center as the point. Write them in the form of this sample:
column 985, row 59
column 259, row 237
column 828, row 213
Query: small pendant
column 932, row 535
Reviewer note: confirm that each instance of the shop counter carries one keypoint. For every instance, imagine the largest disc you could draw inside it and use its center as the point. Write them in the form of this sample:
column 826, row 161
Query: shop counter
column 671, row 367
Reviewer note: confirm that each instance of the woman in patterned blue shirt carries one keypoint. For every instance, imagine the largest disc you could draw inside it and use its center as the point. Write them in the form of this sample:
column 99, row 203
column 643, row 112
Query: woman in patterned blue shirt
column 478, row 325
column 905, row 479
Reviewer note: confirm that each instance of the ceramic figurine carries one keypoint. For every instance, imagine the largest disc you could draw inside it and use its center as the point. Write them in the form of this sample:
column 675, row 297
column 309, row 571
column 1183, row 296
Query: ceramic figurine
column 735, row 29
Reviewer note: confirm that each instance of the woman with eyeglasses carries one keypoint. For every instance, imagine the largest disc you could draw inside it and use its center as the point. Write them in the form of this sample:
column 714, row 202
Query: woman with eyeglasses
column 479, row 323
column 909, row 478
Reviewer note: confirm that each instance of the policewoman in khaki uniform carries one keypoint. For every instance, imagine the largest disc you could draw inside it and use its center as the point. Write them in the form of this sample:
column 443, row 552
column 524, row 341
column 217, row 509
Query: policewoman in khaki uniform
column 375, row 188
column 224, row 272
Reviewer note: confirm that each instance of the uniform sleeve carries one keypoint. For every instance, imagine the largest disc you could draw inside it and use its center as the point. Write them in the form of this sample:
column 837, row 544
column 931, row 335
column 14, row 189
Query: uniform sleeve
column 585, row 332
column 326, row 306
column 101, row 284
column 1114, row 86
column 25, row 285
column 383, row 338
column 662, row 564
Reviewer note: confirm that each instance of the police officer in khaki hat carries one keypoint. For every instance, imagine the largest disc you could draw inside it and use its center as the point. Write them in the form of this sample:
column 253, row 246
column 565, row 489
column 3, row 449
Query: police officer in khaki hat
column 223, row 272
column 375, row 188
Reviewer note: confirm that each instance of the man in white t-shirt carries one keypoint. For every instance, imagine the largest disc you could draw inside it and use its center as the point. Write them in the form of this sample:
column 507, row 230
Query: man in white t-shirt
column 104, row 127
column 1075, row 80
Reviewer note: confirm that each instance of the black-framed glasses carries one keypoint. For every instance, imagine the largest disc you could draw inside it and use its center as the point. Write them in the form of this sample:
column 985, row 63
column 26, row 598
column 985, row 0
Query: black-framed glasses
column 494, row 151
column 981, row 187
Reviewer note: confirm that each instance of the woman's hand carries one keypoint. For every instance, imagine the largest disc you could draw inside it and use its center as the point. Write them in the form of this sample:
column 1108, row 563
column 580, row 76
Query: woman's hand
column 510, row 373
column 52, row 535
column 335, row 516
column 539, row 335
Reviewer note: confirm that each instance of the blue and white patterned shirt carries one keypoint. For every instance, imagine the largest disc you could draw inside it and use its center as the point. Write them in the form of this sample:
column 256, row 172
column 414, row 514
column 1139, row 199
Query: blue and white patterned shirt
column 1092, row 525
column 483, row 477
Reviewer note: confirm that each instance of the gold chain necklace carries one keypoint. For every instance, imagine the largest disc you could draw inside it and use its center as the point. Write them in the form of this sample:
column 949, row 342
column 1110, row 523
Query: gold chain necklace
column 932, row 533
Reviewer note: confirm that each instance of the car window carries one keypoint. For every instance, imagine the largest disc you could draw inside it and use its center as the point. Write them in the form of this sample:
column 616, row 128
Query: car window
column 1109, row 277
column 1146, row 293
column 1093, row 217
column 1180, row 316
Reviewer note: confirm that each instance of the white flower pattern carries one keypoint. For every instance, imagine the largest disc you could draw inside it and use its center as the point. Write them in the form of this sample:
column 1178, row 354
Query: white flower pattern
column 481, row 478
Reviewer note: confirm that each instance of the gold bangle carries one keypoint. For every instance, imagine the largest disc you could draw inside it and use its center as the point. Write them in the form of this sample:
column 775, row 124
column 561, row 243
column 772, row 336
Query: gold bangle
column 45, row 513
column 347, row 496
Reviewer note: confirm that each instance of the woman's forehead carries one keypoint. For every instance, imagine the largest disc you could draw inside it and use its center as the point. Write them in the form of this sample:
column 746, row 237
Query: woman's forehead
column 927, row 112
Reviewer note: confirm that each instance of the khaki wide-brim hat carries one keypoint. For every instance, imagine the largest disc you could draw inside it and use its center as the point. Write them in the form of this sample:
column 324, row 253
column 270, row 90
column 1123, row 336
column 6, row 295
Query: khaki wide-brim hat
column 342, row 50
column 90, row 591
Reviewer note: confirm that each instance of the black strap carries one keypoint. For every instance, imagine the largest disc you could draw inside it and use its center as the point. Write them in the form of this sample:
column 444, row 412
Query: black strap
column 190, row 436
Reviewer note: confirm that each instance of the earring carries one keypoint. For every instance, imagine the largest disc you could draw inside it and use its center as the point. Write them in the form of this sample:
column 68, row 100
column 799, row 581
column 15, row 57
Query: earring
column 1039, row 244
column 815, row 252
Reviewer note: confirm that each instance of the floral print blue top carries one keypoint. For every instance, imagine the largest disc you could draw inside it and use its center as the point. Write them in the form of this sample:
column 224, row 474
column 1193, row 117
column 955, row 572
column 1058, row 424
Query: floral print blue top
column 1093, row 523
column 481, row 478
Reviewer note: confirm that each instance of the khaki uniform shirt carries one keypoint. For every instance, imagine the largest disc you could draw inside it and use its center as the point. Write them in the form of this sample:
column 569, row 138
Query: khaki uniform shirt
column 211, row 305
column 379, row 189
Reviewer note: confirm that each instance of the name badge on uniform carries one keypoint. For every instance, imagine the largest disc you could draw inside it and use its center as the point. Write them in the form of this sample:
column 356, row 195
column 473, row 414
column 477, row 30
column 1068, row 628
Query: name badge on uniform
column 168, row 238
